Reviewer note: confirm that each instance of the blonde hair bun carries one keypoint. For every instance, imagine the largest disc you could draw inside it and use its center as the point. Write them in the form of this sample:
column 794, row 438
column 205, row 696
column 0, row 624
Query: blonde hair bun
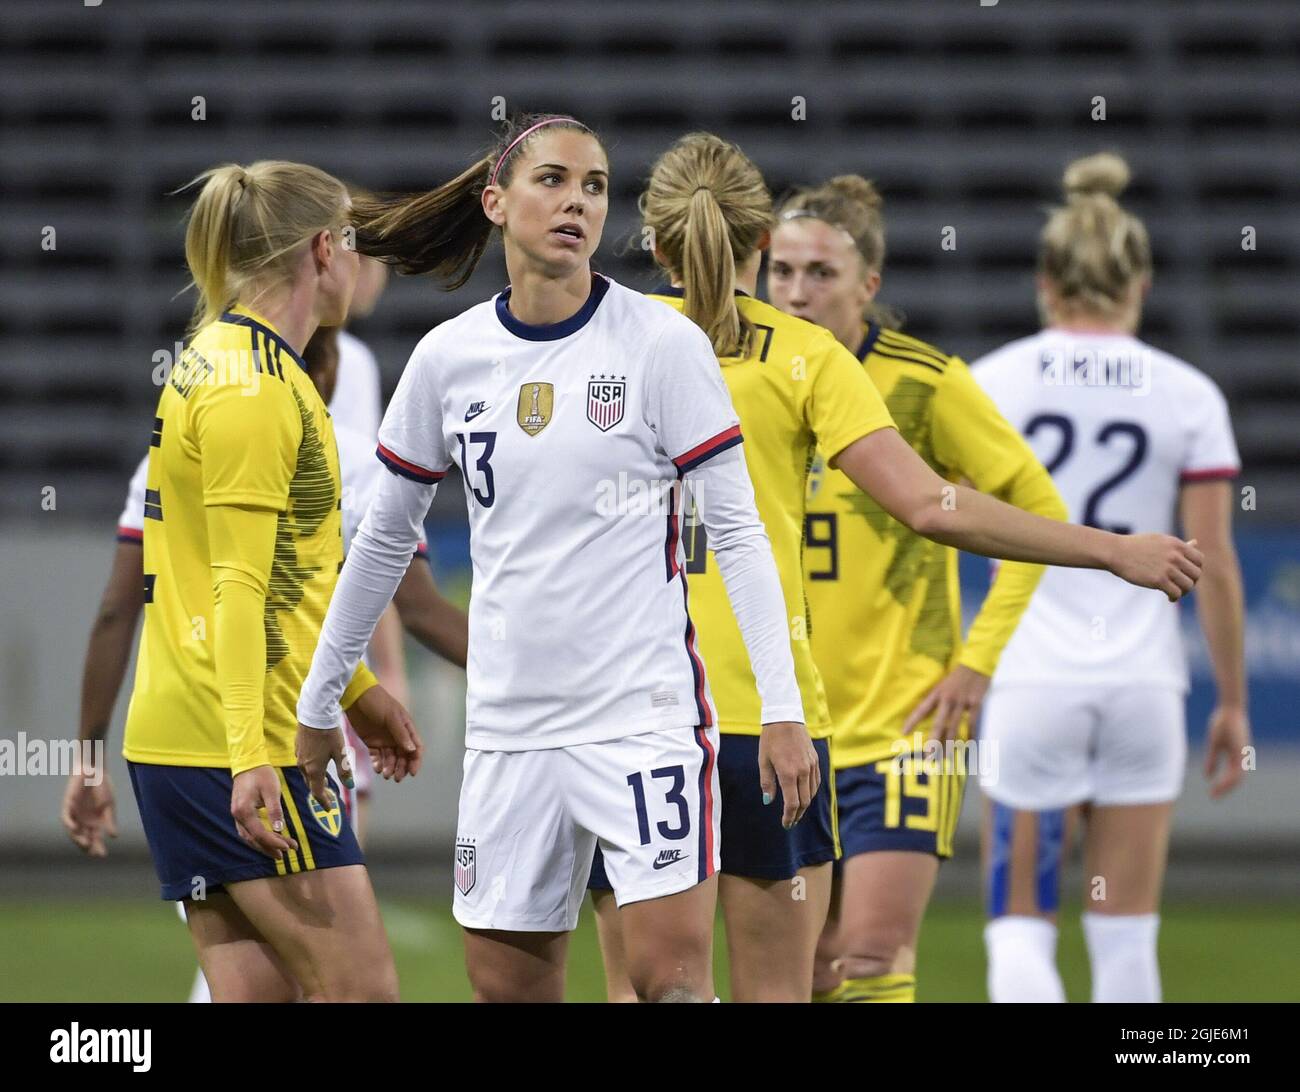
column 856, row 188
column 1104, row 173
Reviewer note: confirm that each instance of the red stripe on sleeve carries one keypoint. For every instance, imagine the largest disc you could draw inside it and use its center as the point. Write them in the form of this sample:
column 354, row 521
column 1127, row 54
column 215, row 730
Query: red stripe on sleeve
column 701, row 450
column 413, row 469
column 1211, row 474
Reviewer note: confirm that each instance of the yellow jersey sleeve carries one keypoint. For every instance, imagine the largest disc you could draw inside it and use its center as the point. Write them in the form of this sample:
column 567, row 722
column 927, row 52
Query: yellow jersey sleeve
column 248, row 438
column 973, row 438
column 843, row 405
column 242, row 542
column 362, row 680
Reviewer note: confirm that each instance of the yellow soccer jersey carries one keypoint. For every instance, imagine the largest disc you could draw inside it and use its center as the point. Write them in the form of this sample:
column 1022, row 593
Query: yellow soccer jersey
column 885, row 601
column 798, row 389
column 239, row 423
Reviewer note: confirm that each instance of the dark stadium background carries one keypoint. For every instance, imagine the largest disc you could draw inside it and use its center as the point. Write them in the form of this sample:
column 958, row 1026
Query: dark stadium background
column 964, row 115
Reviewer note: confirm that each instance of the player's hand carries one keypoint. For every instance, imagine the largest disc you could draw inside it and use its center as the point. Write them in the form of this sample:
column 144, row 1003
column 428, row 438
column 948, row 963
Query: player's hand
column 960, row 693
column 387, row 729
column 314, row 748
column 1228, row 737
column 88, row 811
column 788, row 760
column 255, row 806
column 1158, row 561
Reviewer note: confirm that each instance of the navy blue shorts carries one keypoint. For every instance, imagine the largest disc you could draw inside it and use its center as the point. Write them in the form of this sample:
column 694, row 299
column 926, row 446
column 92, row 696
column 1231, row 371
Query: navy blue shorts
column 888, row 806
column 192, row 837
column 754, row 844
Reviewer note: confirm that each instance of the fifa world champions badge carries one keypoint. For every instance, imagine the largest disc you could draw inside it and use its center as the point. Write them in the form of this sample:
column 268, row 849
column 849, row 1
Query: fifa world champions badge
column 536, row 407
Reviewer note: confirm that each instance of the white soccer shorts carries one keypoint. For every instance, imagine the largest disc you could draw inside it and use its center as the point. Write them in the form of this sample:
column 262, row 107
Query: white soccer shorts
column 530, row 821
column 1056, row 746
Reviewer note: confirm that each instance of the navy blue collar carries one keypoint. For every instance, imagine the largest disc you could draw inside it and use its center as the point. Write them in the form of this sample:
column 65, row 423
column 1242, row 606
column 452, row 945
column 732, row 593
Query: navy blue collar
column 868, row 340
column 246, row 320
column 678, row 293
column 553, row 331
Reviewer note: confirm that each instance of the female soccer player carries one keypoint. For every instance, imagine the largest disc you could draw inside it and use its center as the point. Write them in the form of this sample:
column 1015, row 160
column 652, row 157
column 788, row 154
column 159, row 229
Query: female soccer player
column 417, row 606
column 242, row 546
column 1086, row 708
column 887, row 638
column 88, row 810
column 795, row 388
column 589, row 714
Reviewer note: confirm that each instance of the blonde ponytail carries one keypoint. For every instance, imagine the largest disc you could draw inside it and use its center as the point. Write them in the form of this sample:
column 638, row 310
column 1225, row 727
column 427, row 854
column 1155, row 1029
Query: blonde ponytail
column 708, row 208
column 708, row 274
column 247, row 224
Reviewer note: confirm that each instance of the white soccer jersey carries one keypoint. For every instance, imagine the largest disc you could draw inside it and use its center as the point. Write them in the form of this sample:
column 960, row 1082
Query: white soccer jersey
column 358, row 401
column 130, row 524
column 360, row 473
column 570, row 438
column 1120, row 426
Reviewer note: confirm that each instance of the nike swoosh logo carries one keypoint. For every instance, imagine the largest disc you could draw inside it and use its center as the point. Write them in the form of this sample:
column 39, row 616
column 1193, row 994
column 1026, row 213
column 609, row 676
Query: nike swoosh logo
column 664, row 864
column 471, row 414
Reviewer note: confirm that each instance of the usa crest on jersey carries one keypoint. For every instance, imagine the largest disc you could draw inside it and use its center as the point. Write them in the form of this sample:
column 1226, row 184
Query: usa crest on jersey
column 465, row 867
column 605, row 402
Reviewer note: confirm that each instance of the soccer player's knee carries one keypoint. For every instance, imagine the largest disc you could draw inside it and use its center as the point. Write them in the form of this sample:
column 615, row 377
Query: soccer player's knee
column 237, row 992
column 874, row 955
column 488, row 987
column 372, row 986
column 360, row 994
column 824, row 964
column 499, row 986
column 384, row 991
column 494, row 993
column 621, row 994
column 677, row 993
column 667, row 984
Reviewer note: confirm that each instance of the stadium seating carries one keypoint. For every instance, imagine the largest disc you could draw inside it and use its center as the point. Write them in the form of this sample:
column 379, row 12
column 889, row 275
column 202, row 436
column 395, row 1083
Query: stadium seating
column 965, row 115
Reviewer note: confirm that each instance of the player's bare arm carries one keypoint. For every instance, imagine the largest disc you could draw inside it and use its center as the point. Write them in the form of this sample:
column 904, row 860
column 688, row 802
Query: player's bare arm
column 1206, row 511
column 885, row 466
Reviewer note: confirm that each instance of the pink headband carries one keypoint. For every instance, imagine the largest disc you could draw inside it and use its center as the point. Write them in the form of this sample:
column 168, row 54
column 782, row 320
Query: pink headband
column 511, row 146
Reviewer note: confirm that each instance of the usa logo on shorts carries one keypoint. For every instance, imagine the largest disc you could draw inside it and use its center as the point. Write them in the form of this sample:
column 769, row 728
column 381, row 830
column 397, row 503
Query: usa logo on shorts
column 605, row 401
column 464, row 867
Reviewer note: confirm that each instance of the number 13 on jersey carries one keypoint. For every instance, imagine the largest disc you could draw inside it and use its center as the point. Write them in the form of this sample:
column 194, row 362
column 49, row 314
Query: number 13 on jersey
column 484, row 443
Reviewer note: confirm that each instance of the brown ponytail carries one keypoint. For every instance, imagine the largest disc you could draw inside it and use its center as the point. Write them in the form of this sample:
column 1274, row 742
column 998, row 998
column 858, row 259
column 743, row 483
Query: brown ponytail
column 708, row 208
column 443, row 231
